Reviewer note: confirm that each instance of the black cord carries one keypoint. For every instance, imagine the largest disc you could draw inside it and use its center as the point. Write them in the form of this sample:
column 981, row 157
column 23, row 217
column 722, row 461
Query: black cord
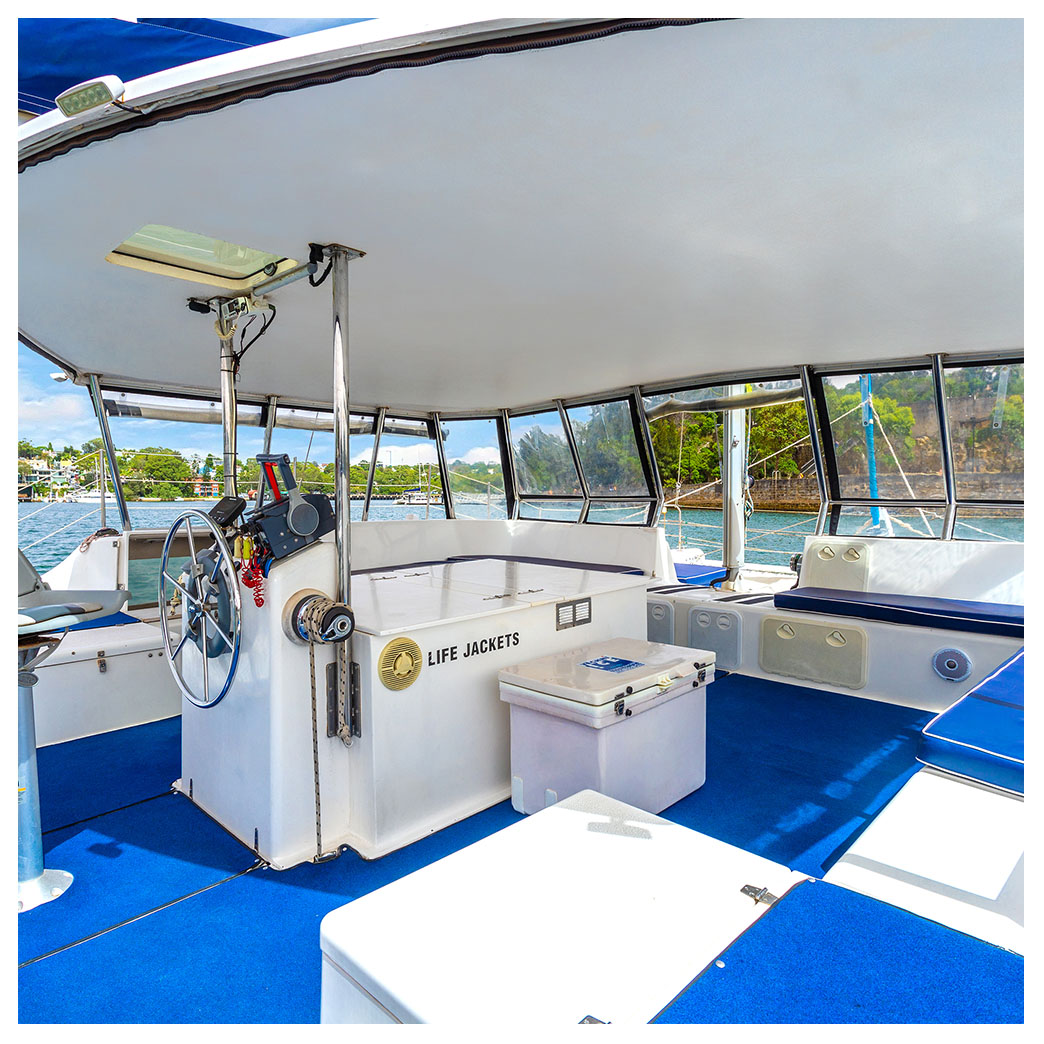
column 312, row 281
column 265, row 324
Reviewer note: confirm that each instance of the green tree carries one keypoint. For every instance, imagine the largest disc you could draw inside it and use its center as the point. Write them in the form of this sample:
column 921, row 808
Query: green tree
column 773, row 432
column 146, row 467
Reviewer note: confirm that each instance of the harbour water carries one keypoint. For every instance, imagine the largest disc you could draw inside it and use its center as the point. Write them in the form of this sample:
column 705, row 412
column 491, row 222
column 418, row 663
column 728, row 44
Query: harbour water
column 55, row 530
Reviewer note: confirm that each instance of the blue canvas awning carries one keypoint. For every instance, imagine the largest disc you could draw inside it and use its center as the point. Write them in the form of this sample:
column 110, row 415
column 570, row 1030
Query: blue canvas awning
column 57, row 53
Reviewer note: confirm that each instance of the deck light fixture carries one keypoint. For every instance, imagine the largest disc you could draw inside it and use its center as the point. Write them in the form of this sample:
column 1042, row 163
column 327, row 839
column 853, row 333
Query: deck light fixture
column 105, row 90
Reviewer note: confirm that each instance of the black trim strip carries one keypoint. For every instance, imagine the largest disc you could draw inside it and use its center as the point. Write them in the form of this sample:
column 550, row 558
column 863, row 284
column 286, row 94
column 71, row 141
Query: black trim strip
column 826, row 440
column 108, row 812
column 533, row 41
column 992, row 699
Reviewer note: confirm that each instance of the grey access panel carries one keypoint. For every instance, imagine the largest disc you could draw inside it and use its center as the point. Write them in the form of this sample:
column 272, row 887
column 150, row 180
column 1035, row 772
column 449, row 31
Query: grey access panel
column 659, row 615
column 721, row 631
column 830, row 654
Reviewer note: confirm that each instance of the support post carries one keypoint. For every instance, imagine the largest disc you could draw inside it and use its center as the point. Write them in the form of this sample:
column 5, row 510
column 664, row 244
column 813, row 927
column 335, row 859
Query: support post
column 946, row 446
column 110, row 452
column 378, row 427
column 270, row 420
column 102, row 484
column 440, row 449
column 817, row 450
column 228, row 408
column 733, row 483
column 35, row 884
column 644, row 436
column 577, row 463
column 340, row 256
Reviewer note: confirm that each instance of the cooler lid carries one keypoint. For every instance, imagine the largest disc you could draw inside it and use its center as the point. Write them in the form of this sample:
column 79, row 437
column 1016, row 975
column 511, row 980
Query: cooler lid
column 600, row 673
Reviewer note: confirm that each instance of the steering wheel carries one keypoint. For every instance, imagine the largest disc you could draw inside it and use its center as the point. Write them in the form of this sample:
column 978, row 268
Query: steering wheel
column 210, row 608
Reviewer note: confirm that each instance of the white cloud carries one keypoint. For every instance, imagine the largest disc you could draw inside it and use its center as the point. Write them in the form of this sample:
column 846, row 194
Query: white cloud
column 482, row 455
column 424, row 453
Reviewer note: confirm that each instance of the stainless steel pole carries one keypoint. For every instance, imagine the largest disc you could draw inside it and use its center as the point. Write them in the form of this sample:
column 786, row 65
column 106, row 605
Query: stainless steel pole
column 228, row 410
column 378, row 427
column 733, row 481
column 110, row 452
column 102, row 484
column 340, row 257
column 270, row 422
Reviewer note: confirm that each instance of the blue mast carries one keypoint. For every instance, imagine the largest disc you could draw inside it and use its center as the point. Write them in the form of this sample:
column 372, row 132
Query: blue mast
column 866, row 394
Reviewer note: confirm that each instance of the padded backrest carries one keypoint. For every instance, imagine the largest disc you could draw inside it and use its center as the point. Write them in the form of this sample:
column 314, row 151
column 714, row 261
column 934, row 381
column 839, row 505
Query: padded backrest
column 382, row 544
column 29, row 579
column 983, row 571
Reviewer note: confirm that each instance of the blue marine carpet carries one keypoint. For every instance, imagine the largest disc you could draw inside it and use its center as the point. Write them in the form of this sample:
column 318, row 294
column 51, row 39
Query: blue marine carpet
column 86, row 777
column 823, row 954
column 126, row 863
column 792, row 774
column 246, row 951
column 796, row 774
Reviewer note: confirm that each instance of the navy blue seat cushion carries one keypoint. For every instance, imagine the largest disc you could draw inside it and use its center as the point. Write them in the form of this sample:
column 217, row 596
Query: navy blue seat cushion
column 699, row 575
column 981, row 736
column 111, row 620
column 951, row 614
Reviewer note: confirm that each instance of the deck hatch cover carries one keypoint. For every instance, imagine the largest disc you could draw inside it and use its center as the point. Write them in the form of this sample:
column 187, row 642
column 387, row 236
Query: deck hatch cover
column 196, row 257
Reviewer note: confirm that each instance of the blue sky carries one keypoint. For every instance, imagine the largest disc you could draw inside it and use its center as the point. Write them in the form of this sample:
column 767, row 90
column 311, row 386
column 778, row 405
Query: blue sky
column 62, row 415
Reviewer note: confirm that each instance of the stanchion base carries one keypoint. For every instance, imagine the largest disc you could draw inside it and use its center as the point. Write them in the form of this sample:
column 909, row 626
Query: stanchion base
column 49, row 885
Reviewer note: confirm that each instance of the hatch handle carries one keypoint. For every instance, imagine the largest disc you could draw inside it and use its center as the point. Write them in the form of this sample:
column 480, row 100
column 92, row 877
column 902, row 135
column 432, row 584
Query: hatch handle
column 759, row 895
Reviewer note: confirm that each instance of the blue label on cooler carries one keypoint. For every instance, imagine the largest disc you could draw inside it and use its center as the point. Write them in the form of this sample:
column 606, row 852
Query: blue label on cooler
column 612, row 663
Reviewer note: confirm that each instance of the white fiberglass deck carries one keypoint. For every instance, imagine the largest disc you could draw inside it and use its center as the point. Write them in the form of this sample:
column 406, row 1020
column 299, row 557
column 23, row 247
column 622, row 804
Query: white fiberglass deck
column 390, row 600
column 949, row 850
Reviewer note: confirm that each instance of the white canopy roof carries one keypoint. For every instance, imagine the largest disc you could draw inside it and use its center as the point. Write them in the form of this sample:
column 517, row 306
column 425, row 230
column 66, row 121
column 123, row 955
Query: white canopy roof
column 557, row 221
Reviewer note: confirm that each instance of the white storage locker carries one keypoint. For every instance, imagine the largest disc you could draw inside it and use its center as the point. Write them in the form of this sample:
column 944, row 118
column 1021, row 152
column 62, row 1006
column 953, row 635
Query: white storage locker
column 624, row 717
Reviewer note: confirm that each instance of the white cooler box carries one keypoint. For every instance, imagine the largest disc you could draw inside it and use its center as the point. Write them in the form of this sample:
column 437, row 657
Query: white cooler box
column 624, row 717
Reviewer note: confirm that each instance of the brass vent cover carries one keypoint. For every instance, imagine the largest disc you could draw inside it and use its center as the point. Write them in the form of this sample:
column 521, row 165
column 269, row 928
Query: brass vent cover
column 400, row 663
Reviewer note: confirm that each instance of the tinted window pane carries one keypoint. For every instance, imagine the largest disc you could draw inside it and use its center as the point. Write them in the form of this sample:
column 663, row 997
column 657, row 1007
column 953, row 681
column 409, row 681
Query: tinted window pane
column 618, row 513
column 543, row 462
column 988, row 523
column 885, row 431
column 476, row 478
column 555, row 510
column 890, row 522
column 608, row 448
column 984, row 405
column 407, row 475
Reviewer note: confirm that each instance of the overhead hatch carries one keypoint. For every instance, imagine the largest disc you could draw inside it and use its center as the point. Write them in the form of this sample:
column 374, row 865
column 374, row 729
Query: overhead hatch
column 198, row 258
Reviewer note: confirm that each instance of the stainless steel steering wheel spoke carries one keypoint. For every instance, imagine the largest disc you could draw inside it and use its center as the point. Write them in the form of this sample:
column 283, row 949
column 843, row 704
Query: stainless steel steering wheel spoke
column 206, row 587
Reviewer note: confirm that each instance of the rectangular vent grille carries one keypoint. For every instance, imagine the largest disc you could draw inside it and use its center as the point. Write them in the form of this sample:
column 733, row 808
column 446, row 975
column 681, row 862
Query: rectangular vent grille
column 572, row 614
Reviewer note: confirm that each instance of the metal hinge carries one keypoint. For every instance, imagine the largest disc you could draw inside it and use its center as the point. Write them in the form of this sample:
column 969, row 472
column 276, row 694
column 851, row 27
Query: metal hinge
column 102, row 666
column 354, row 701
column 759, row 895
column 353, row 710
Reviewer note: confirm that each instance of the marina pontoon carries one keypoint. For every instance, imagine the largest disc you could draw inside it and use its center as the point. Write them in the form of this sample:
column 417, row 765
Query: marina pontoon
column 514, row 758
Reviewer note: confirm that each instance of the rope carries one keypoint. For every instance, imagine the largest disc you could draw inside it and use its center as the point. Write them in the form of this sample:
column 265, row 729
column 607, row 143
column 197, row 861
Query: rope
column 906, row 481
column 311, row 621
column 22, row 518
column 93, row 511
